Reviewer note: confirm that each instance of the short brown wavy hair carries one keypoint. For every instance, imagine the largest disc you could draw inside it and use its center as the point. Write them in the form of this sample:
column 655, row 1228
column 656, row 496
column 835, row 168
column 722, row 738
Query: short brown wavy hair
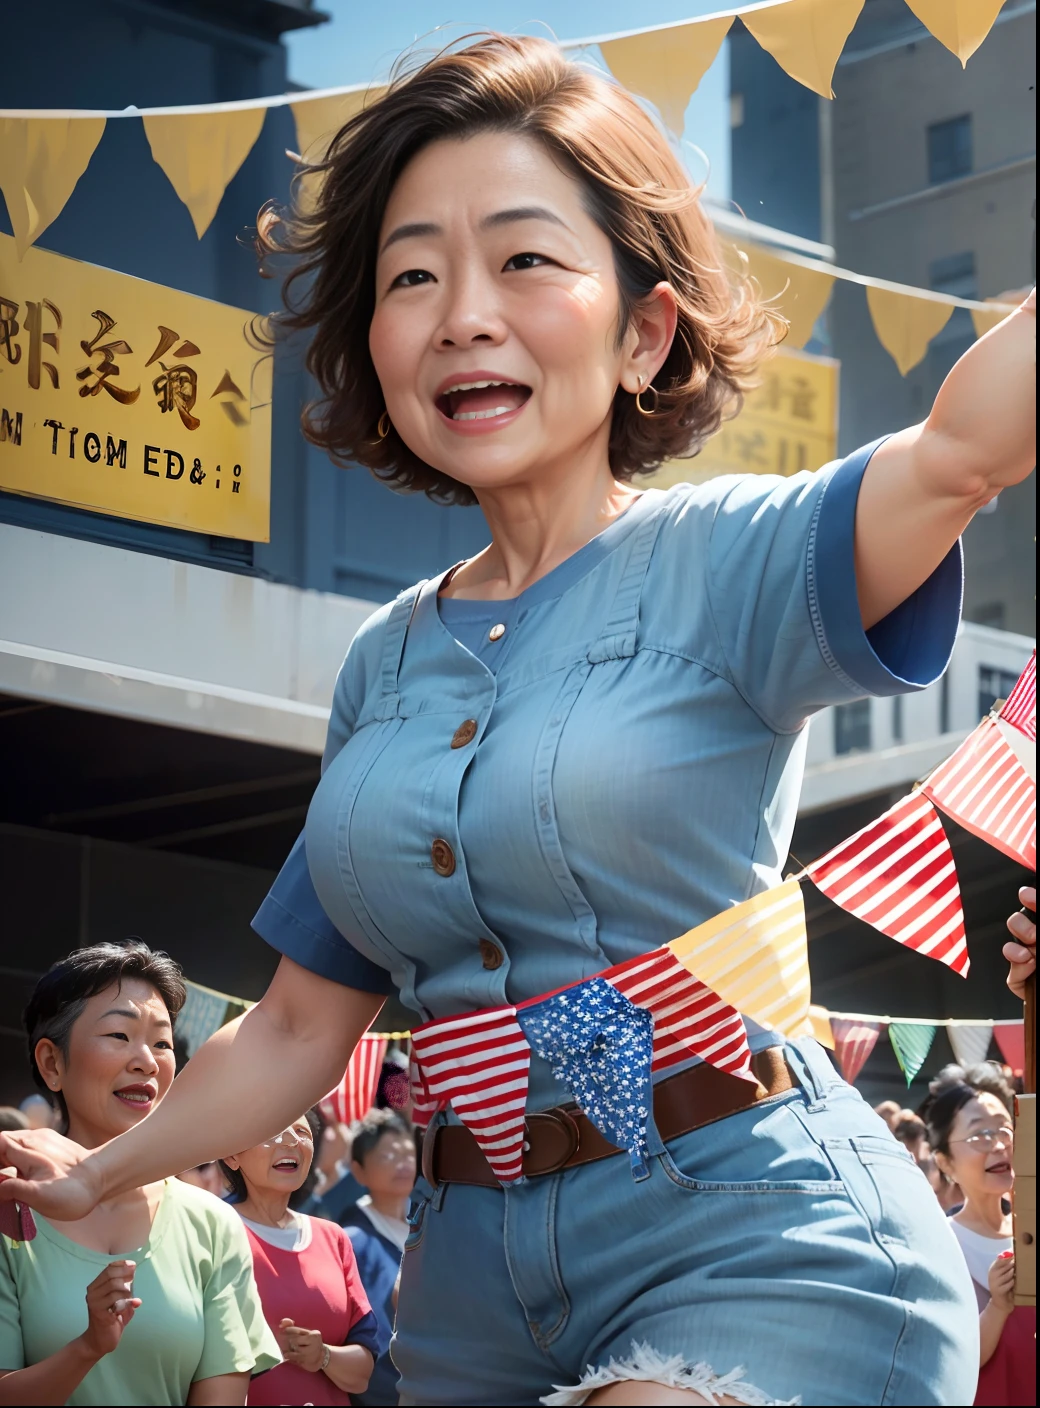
column 635, row 190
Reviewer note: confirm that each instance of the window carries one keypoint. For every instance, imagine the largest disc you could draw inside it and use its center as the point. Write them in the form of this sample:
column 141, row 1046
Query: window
column 949, row 149
column 954, row 273
column 852, row 727
column 897, row 718
column 994, row 684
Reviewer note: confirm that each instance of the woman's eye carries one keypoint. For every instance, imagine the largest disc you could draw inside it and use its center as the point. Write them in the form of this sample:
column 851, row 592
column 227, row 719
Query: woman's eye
column 526, row 261
column 119, row 1036
column 165, row 1045
column 412, row 278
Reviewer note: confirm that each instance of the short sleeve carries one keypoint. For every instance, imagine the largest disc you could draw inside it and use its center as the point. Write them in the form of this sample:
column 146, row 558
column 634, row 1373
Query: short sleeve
column 292, row 921
column 781, row 580
column 12, row 1350
column 237, row 1337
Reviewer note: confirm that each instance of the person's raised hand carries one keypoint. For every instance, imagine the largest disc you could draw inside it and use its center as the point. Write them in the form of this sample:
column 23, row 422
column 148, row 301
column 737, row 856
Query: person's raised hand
column 1021, row 953
column 47, row 1172
column 302, row 1347
column 110, row 1307
column 1002, row 1282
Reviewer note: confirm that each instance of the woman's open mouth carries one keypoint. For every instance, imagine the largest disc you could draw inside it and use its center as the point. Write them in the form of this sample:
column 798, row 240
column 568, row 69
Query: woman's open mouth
column 137, row 1097
column 287, row 1165
column 481, row 399
column 1000, row 1167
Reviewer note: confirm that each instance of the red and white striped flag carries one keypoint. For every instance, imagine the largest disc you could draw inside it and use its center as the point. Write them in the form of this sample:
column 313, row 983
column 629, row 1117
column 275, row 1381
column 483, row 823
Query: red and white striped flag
column 898, row 874
column 424, row 1106
column 1020, row 707
column 356, row 1093
column 985, row 788
column 853, row 1042
column 479, row 1063
column 689, row 1019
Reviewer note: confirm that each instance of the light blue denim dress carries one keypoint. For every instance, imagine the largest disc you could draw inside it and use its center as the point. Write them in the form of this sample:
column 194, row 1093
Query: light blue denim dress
column 506, row 811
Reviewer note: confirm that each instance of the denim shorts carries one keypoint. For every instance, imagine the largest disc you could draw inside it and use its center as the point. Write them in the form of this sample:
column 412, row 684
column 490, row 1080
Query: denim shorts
column 789, row 1253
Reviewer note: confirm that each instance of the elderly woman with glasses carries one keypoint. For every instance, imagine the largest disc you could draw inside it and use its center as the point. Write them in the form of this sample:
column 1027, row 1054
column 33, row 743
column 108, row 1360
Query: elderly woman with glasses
column 305, row 1269
column 971, row 1134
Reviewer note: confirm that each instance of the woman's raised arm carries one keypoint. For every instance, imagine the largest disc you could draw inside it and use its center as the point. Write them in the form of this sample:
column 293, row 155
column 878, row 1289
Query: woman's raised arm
column 923, row 485
column 251, row 1078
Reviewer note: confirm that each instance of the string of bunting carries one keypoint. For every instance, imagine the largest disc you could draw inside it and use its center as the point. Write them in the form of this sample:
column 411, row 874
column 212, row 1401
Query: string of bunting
column 853, row 1035
column 201, row 147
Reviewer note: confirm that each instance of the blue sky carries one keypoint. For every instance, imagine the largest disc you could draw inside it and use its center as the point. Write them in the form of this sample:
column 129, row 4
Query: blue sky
column 362, row 40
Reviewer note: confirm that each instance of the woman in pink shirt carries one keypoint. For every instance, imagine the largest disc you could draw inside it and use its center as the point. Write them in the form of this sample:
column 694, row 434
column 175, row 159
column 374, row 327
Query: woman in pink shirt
column 308, row 1280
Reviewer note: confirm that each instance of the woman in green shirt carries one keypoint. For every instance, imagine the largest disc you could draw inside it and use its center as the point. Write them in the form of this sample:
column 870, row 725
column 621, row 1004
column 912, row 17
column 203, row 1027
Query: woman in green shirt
column 171, row 1312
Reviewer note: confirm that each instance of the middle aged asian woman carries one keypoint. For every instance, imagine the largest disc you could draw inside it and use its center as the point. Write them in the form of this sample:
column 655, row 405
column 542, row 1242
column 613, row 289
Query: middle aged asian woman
column 150, row 1298
column 307, row 1276
column 578, row 744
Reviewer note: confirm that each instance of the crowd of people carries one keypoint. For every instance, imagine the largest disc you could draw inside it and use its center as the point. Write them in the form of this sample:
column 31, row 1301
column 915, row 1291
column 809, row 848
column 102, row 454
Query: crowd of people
column 271, row 1276
column 233, row 1283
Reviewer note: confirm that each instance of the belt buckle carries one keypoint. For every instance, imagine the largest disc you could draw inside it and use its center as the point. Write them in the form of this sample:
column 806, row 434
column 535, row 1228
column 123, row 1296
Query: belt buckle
column 558, row 1127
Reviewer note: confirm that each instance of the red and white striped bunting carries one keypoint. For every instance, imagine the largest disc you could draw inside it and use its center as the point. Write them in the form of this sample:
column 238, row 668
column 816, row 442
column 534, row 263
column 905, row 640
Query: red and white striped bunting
column 479, row 1063
column 1020, row 708
column 854, row 1040
column 689, row 1019
column 424, row 1106
column 985, row 788
column 356, row 1093
column 898, row 874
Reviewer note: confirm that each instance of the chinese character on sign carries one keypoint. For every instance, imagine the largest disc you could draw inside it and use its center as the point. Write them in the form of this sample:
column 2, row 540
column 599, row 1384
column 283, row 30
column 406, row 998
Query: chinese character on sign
column 750, row 449
column 107, row 367
column 38, row 339
column 177, row 387
column 801, row 396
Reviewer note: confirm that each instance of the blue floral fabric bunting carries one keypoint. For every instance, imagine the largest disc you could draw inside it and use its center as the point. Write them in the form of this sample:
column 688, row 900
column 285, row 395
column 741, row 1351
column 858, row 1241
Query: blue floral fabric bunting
column 600, row 1044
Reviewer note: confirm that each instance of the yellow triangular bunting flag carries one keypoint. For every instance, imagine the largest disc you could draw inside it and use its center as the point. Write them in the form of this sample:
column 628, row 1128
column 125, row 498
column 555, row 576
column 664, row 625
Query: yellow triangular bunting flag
column 905, row 325
column 806, row 37
column 961, row 25
column 756, row 957
column 319, row 119
column 41, row 159
column 666, row 65
column 201, row 152
column 986, row 319
column 800, row 294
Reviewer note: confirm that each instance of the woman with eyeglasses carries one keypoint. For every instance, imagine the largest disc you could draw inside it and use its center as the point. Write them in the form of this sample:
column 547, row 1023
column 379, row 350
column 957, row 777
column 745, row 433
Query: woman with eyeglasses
column 305, row 1269
column 973, row 1141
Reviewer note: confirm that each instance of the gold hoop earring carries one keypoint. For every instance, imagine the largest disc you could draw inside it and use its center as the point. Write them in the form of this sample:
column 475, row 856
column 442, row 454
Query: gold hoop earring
column 639, row 401
column 383, row 425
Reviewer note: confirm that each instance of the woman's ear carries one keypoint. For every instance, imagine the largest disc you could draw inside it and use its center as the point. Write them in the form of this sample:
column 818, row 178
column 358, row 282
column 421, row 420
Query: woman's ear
column 232, row 1161
column 651, row 331
column 942, row 1163
column 49, row 1062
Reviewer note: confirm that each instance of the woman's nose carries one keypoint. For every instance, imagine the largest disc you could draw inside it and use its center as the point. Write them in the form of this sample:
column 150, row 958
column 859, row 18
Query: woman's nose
column 471, row 314
column 143, row 1059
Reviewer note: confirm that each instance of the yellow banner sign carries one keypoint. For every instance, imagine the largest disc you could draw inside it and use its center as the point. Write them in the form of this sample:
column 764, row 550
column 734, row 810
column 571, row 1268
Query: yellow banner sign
column 132, row 399
column 789, row 423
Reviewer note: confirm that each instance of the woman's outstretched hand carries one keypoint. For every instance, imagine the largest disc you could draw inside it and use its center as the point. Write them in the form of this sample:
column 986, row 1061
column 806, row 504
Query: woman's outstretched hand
column 1021, row 953
column 48, row 1173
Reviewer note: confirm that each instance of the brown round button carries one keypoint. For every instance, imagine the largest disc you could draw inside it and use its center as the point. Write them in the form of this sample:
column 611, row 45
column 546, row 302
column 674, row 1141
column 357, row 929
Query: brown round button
column 496, row 632
column 465, row 733
column 490, row 955
column 443, row 857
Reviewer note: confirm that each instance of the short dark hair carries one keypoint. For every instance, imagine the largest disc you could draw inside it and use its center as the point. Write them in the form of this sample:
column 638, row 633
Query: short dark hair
column 372, row 1128
column 235, row 1179
column 62, row 993
column 943, row 1112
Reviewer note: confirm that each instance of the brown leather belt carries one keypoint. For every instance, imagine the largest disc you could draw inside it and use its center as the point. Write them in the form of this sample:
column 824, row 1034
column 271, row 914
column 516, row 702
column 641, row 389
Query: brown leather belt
column 564, row 1137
